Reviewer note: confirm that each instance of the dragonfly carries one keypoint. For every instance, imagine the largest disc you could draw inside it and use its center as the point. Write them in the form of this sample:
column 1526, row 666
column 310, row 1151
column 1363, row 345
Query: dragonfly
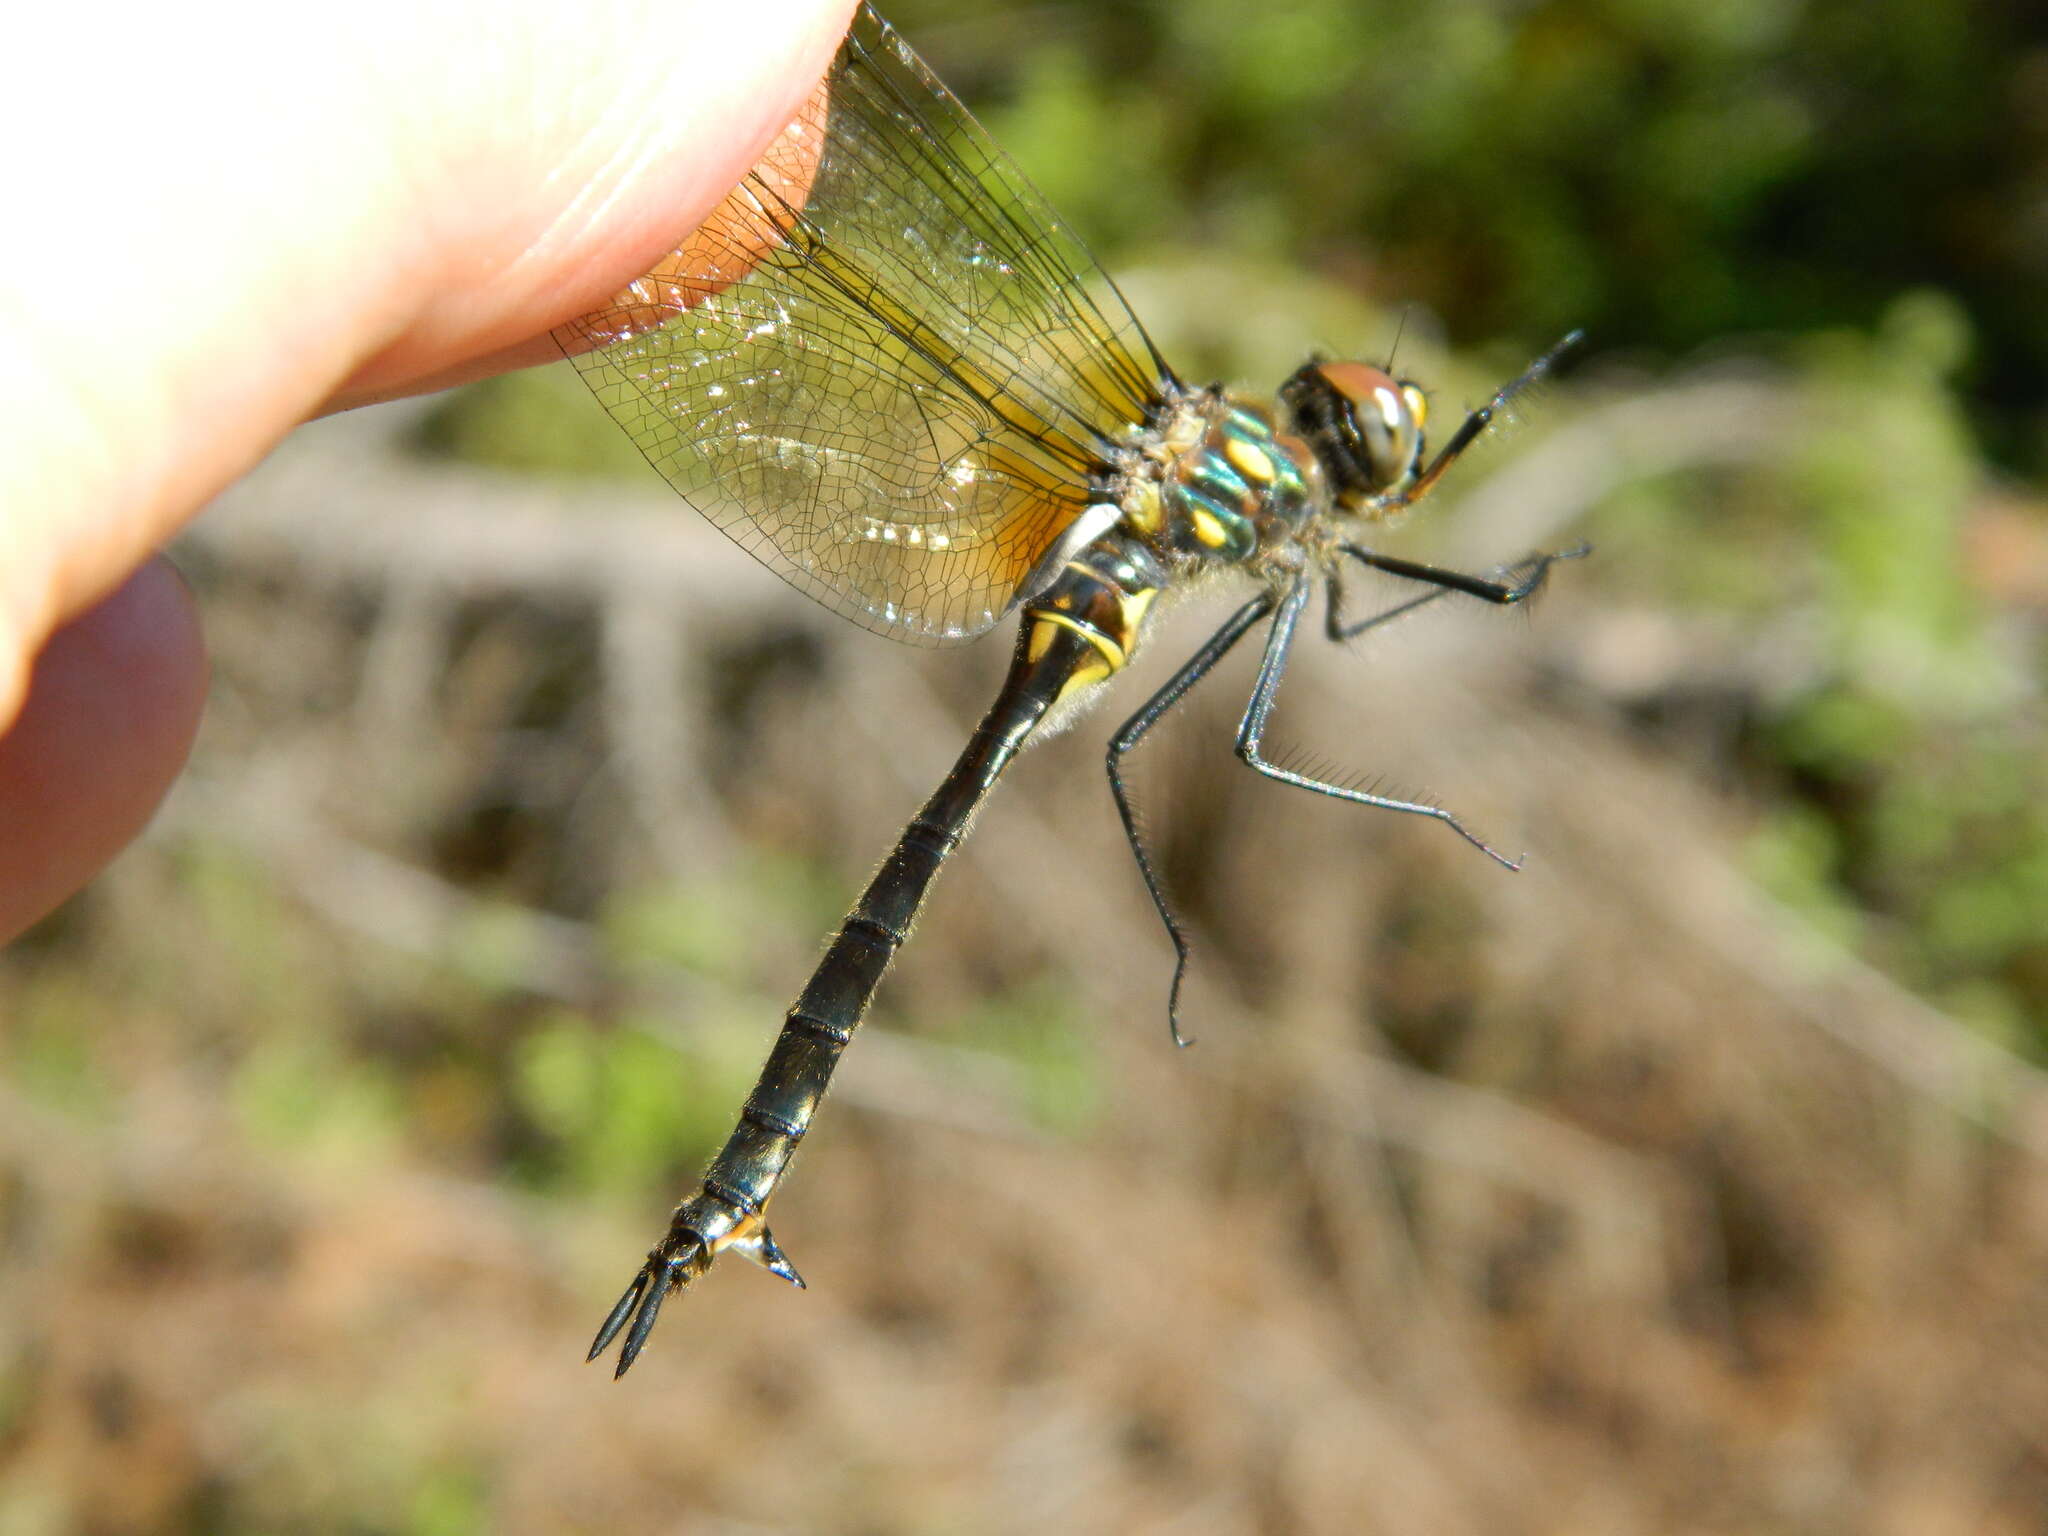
column 890, row 372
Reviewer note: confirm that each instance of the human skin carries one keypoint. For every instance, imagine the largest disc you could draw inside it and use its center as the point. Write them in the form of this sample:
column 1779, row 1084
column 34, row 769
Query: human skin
column 232, row 217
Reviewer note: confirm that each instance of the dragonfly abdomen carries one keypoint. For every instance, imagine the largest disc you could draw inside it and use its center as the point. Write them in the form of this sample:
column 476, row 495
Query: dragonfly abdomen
column 1076, row 635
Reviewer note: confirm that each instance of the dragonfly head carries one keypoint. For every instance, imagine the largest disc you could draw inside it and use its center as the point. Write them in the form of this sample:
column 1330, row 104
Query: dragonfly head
column 1364, row 425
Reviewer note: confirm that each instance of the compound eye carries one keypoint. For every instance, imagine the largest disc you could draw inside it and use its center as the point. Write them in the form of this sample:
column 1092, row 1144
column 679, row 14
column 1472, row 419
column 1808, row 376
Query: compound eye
column 1418, row 403
column 1384, row 418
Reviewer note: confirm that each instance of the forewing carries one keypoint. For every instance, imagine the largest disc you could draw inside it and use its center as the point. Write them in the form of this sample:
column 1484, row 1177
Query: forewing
column 883, row 367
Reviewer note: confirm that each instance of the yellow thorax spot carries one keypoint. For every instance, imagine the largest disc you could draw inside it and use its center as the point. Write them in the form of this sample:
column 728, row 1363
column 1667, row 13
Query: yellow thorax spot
column 1143, row 510
column 1208, row 529
column 1251, row 460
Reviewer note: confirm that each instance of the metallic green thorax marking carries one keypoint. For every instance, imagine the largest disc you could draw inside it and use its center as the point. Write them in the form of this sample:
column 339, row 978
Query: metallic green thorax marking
column 1241, row 477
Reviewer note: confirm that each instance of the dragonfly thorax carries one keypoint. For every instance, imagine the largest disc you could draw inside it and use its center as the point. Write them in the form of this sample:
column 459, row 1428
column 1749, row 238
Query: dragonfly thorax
column 1363, row 425
column 1215, row 479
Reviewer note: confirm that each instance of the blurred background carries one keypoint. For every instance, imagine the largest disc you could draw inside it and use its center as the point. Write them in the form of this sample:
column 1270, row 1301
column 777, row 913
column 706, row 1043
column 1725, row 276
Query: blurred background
column 1693, row 1179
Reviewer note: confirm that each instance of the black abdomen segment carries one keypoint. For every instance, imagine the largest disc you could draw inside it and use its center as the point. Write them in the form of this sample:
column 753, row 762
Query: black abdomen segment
column 816, row 1031
column 1077, row 634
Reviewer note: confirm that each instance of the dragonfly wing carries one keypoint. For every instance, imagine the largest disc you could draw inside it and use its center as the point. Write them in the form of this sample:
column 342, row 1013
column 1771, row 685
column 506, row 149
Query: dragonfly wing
column 884, row 367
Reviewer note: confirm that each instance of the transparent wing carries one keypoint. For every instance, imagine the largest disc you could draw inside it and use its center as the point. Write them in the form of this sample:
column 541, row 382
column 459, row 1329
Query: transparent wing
column 883, row 367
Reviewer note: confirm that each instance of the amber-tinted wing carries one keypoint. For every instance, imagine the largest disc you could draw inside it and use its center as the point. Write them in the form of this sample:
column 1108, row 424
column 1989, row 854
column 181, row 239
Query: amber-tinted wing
column 889, row 384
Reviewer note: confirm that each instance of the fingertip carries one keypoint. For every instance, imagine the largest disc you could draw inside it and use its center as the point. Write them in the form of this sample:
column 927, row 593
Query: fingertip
column 113, row 702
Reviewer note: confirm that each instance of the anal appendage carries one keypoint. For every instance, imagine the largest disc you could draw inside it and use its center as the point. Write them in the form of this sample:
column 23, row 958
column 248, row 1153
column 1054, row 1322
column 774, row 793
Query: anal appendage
column 681, row 1257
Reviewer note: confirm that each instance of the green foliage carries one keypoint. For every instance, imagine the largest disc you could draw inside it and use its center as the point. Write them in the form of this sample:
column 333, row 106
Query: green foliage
column 1888, row 472
column 541, row 421
column 714, row 928
column 488, row 947
column 46, row 1047
column 621, row 1109
column 1915, row 772
column 1037, row 1030
column 1659, row 173
column 1795, row 856
column 235, row 900
column 450, row 1501
column 308, row 1094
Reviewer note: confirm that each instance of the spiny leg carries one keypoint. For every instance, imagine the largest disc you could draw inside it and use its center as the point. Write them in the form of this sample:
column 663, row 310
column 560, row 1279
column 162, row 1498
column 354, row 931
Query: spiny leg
column 1130, row 734
column 1251, row 731
column 1337, row 631
column 1535, row 571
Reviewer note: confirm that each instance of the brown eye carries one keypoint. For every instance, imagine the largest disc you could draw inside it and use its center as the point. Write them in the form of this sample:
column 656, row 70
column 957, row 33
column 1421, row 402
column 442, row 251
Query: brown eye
column 1363, row 423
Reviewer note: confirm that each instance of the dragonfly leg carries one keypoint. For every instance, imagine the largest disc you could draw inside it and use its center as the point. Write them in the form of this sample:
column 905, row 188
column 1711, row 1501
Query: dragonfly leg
column 1337, row 629
column 1477, row 422
column 1251, row 732
column 1509, row 586
column 1130, row 734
